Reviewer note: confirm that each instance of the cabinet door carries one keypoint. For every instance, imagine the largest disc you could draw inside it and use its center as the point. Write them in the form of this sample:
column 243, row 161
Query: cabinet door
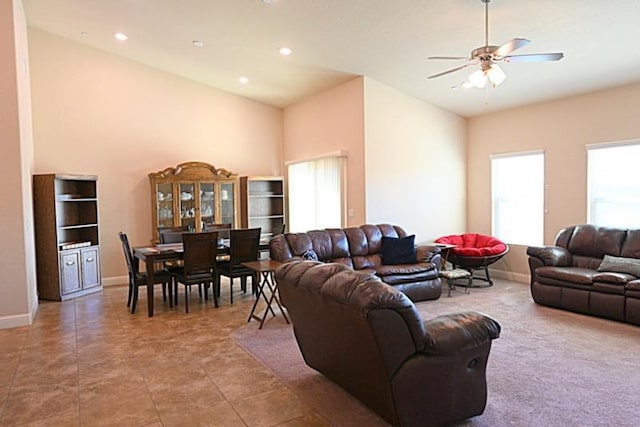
column 208, row 198
column 90, row 267
column 70, row 272
column 187, row 204
column 227, row 203
column 164, row 205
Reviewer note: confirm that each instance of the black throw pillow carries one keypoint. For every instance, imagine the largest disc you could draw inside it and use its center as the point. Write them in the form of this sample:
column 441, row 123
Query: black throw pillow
column 310, row 255
column 398, row 250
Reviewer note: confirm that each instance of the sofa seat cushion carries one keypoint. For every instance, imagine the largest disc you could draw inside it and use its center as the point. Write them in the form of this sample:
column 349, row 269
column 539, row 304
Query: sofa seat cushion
column 390, row 270
column 395, row 279
column 576, row 275
column 616, row 278
column 609, row 288
column 633, row 285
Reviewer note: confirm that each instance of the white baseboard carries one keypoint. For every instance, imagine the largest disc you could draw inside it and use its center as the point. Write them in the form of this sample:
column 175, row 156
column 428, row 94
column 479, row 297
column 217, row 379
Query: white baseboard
column 508, row 275
column 16, row 320
column 115, row 280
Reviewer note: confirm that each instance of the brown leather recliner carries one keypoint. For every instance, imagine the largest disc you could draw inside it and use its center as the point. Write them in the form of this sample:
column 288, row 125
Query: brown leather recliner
column 360, row 248
column 369, row 338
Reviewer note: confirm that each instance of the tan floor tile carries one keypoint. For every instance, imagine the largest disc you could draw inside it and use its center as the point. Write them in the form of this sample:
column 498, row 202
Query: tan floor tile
column 181, row 386
column 243, row 382
column 41, row 402
column 121, row 401
column 70, row 418
column 216, row 414
column 271, row 408
column 13, row 337
column 309, row 420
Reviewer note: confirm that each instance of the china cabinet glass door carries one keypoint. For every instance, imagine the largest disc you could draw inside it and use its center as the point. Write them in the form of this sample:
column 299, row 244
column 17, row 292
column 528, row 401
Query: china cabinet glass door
column 207, row 203
column 227, row 207
column 164, row 197
column 187, row 206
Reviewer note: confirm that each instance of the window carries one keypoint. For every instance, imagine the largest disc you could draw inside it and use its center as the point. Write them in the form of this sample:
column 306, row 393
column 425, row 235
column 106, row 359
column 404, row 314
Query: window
column 517, row 197
column 613, row 189
column 316, row 194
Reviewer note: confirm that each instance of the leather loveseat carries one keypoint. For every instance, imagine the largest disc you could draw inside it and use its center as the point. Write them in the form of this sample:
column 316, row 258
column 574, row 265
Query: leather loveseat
column 590, row 270
column 369, row 338
column 360, row 248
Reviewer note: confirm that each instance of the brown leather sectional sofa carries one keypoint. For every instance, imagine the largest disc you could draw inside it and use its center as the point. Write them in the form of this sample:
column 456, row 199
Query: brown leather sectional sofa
column 360, row 248
column 567, row 275
column 369, row 338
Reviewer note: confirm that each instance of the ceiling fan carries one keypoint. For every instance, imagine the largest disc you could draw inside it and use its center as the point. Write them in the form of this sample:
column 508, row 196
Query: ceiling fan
column 488, row 56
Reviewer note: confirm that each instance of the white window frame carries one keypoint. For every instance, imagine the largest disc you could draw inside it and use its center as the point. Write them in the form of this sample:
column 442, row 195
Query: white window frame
column 626, row 199
column 343, row 159
column 518, row 200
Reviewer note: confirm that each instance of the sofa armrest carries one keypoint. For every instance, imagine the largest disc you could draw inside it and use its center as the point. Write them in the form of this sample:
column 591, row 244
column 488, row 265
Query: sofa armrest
column 551, row 255
column 457, row 332
column 426, row 253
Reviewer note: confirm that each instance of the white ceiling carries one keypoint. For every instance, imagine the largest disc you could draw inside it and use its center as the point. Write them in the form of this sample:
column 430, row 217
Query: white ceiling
column 387, row 40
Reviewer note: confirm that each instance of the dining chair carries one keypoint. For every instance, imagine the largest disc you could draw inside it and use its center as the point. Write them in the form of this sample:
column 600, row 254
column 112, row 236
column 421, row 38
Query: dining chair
column 222, row 229
column 172, row 234
column 243, row 247
column 137, row 278
column 200, row 250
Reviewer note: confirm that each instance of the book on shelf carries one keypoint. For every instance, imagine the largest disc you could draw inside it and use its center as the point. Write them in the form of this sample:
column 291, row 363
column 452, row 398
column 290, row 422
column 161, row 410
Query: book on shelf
column 74, row 245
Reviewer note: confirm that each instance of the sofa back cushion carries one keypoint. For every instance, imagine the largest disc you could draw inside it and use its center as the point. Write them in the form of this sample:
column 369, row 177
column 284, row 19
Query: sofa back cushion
column 631, row 246
column 365, row 243
column 356, row 247
column 589, row 244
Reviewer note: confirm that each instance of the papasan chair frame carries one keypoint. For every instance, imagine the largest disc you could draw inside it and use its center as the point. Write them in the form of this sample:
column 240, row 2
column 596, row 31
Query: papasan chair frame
column 482, row 258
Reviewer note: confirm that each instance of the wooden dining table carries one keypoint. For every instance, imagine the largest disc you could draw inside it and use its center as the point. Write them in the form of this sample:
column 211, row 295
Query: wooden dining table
column 155, row 255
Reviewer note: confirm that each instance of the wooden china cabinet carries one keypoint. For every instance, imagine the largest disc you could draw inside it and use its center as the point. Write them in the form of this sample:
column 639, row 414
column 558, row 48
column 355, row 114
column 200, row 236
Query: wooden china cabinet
column 193, row 194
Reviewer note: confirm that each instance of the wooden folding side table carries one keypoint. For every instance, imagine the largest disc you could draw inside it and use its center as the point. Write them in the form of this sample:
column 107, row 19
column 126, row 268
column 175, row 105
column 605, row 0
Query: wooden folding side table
column 264, row 269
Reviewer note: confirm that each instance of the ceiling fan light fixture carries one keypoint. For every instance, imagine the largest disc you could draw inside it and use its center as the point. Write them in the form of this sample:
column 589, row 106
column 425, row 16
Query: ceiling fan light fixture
column 478, row 79
column 496, row 75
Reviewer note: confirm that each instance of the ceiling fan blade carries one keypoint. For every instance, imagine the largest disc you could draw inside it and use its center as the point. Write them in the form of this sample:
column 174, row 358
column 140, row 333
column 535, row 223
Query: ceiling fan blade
column 535, row 57
column 510, row 46
column 448, row 57
column 450, row 71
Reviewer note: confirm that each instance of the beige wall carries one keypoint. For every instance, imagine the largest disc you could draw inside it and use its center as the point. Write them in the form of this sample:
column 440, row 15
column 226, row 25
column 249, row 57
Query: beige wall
column 97, row 113
column 561, row 128
column 415, row 164
column 18, row 301
column 328, row 122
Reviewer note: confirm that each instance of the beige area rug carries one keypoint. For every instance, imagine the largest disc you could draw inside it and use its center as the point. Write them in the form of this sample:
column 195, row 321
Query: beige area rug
column 549, row 367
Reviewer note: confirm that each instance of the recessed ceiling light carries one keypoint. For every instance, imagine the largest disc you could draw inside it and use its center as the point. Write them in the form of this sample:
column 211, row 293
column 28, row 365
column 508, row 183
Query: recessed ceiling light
column 84, row 34
column 120, row 36
column 243, row 80
column 285, row 51
column 197, row 43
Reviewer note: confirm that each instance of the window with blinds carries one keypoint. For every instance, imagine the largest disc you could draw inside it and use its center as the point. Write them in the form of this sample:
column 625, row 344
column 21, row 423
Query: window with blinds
column 316, row 194
column 613, row 188
column 517, row 195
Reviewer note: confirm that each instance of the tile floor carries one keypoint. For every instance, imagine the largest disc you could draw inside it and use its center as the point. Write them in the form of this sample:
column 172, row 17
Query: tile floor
column 89, row 362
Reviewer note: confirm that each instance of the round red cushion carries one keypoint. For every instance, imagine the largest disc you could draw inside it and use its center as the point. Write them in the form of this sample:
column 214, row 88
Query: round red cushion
column 473, row 244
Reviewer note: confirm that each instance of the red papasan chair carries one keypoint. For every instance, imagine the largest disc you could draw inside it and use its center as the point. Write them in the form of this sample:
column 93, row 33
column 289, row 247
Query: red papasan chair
column 474, row 251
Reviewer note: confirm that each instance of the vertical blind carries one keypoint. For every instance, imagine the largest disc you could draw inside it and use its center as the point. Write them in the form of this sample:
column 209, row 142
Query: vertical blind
column 613, row 188
column 517, row 193
column 315, row 194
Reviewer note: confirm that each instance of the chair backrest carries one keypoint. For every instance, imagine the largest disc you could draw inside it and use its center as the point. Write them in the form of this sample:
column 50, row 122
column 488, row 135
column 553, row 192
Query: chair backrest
column 172, row 234
column 128, row 255
column 244, row 245
column 200, row 250
column 222, row 229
